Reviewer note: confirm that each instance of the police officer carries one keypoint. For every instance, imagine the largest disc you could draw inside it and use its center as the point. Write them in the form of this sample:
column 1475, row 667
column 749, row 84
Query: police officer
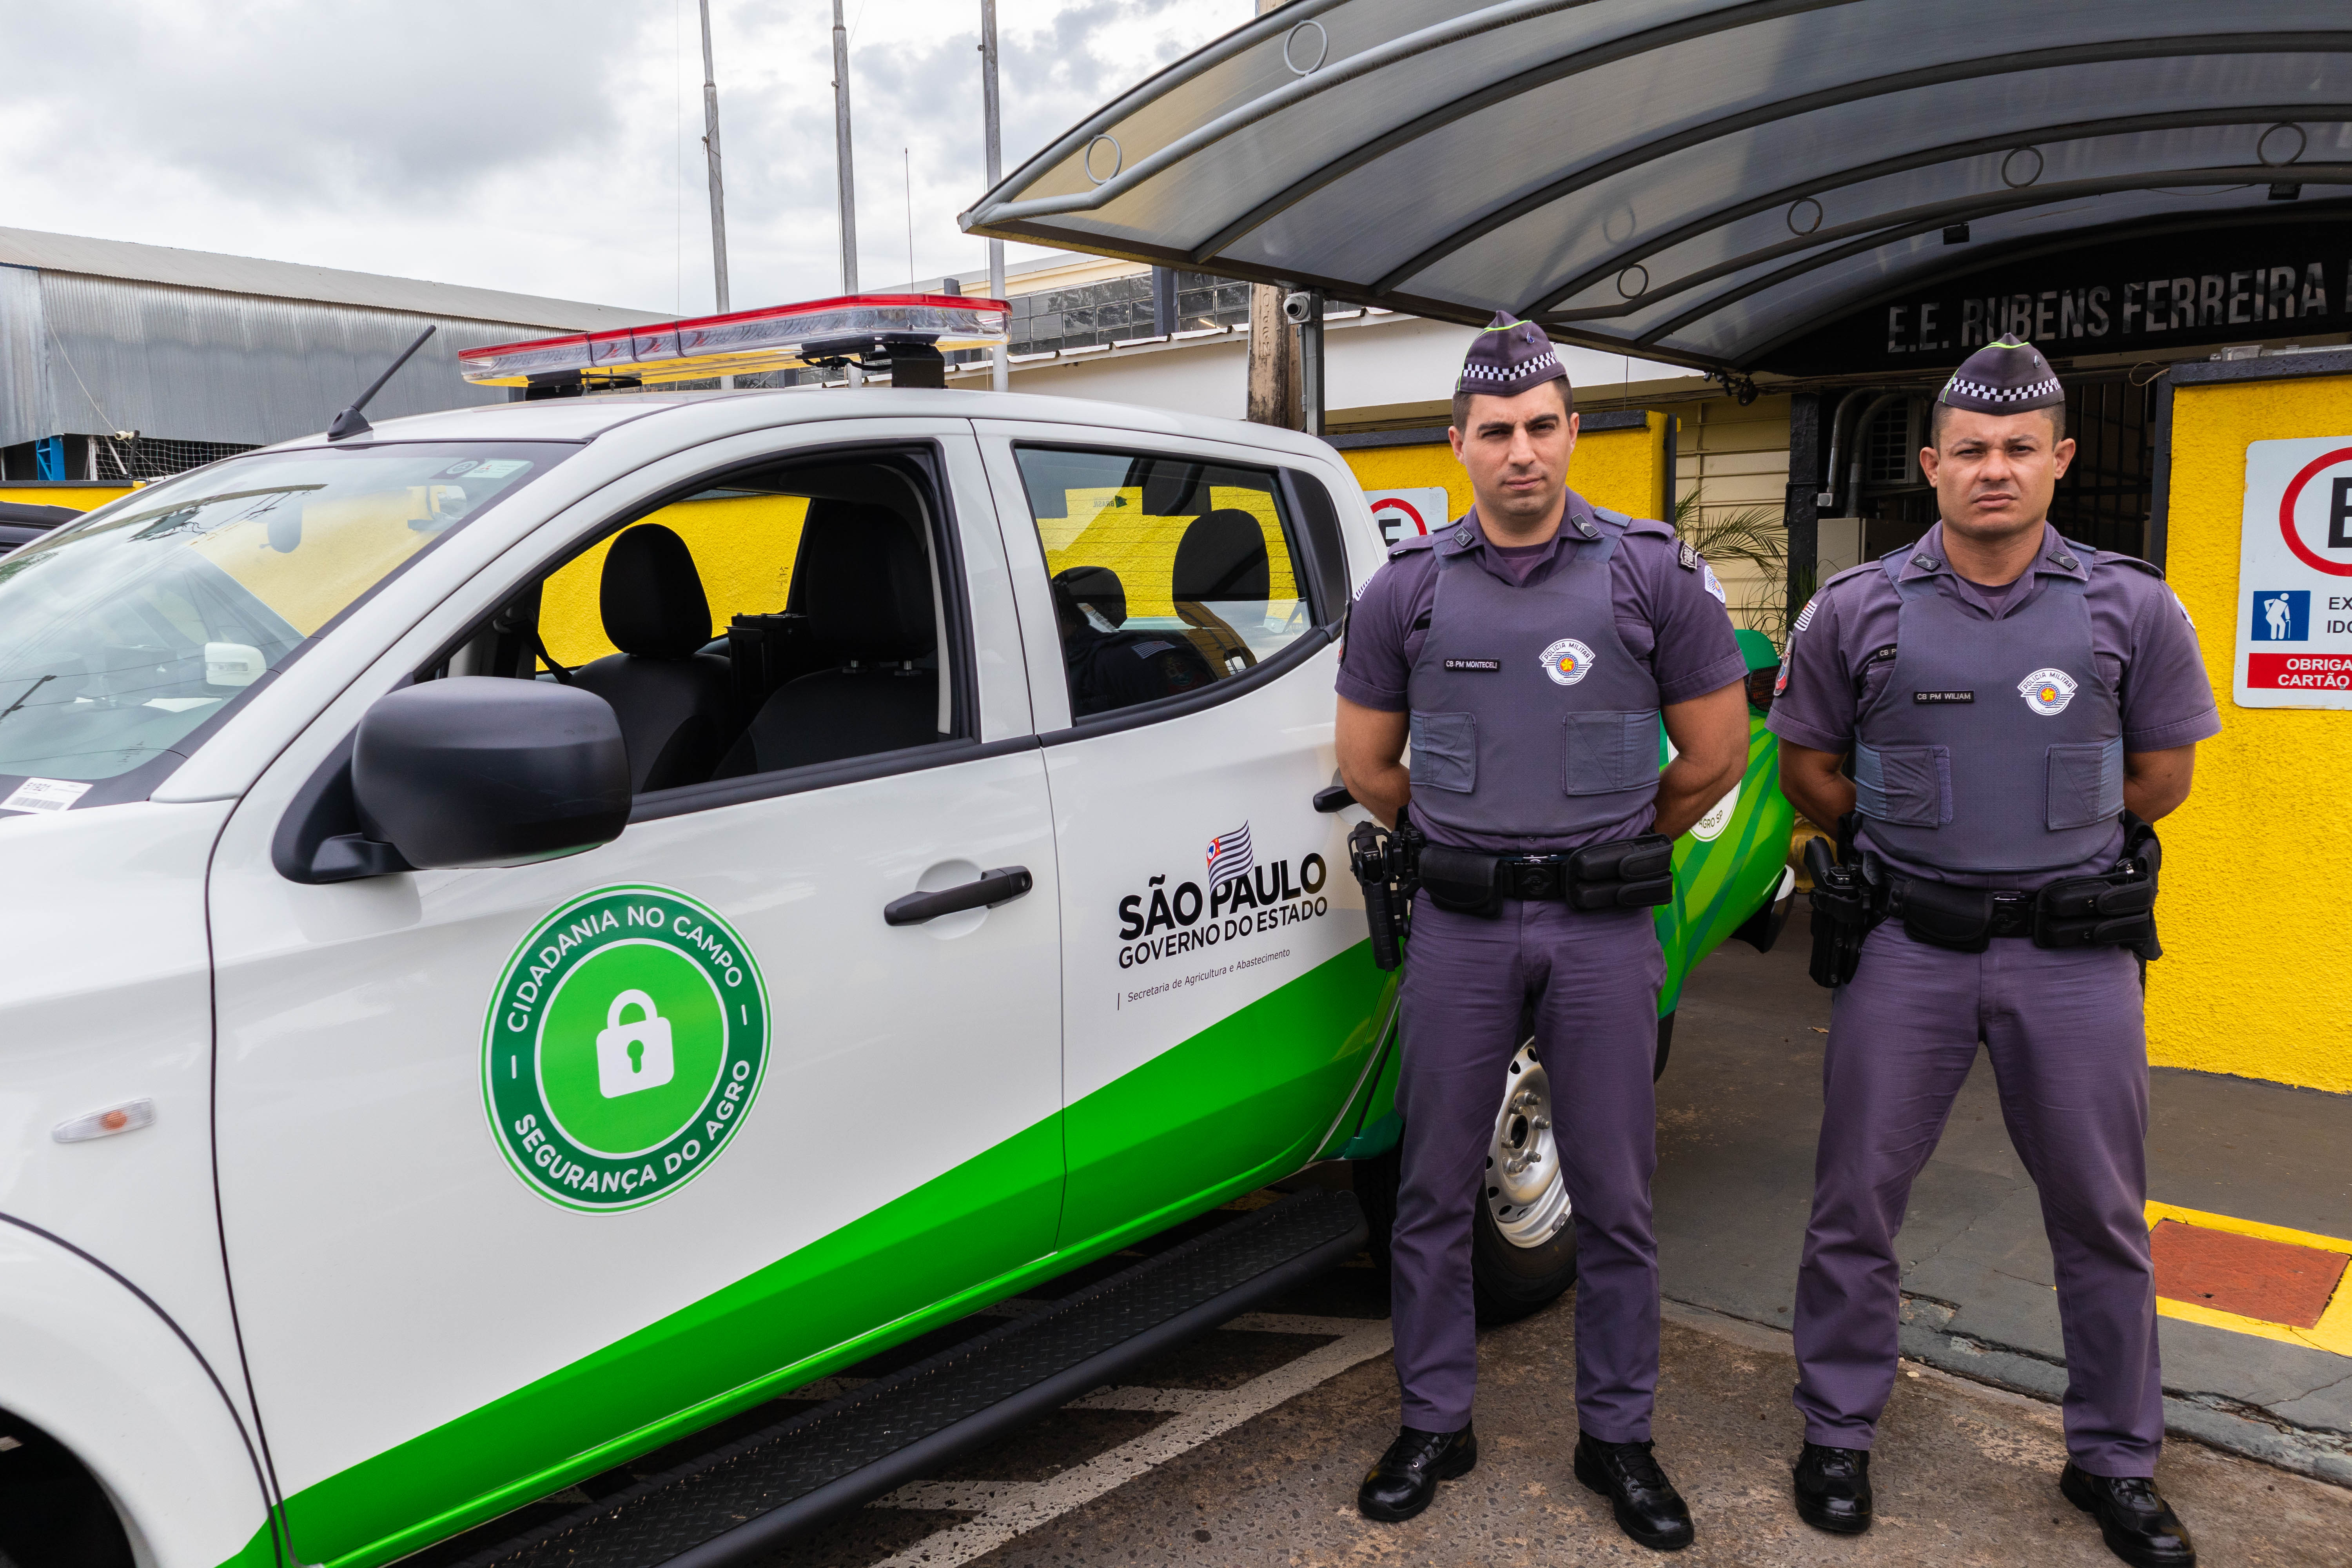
column 1528, row 651
column 2016, row 707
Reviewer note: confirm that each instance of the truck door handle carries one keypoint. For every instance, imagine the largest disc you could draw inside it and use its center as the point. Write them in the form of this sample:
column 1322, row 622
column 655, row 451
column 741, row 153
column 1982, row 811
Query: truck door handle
column 993, row 888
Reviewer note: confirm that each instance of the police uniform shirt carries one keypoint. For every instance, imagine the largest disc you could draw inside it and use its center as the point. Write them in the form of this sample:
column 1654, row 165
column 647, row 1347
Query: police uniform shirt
column 2141, row 640
column 1669, row 616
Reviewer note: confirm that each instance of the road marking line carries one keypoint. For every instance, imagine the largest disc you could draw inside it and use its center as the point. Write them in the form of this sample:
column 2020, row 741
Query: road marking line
column 1135, row 1397
column 1292, row 1323
column 958, row 1497
column 1023, row 1508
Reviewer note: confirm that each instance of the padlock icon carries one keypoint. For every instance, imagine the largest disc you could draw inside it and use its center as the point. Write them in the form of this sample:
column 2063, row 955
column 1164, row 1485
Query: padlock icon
column 632, row 1057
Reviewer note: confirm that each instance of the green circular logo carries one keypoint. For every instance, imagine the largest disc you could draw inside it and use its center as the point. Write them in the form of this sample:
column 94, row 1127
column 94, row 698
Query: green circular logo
column 624, row 1047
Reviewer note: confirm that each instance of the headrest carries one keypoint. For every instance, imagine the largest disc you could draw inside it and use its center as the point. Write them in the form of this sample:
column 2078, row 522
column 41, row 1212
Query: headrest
column 652, row 597
column 1098, row 588
column 1221, row 556
column 864, row 582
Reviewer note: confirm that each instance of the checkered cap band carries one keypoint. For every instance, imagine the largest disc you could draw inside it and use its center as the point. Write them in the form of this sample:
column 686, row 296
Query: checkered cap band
column 1960, row 386
column 1541, row 368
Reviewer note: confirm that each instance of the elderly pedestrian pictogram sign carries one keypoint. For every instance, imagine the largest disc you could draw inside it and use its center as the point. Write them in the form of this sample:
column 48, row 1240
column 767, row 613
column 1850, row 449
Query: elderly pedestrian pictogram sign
column 2295, row 576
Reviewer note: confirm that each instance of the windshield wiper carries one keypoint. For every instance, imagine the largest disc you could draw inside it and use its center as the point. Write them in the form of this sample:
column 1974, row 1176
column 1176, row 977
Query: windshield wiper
column 27, row 697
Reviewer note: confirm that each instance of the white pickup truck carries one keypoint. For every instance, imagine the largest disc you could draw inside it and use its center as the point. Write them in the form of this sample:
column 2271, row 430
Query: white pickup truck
column 436, row 1066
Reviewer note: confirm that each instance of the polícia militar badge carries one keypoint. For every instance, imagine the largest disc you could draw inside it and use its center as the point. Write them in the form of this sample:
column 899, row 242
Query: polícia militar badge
column 2047, row 691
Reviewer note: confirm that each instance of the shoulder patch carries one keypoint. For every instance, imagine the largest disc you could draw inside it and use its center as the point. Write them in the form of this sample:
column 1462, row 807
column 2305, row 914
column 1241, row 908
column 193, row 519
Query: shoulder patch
column 1805, row 615
column 1686, row 557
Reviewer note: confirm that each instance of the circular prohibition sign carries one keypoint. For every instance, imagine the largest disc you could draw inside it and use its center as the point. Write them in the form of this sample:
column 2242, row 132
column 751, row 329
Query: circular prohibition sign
column 2303, row 552
column 1412, row 512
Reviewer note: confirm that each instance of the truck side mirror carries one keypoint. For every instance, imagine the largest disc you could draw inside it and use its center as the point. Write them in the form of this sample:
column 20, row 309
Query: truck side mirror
column 481, row 770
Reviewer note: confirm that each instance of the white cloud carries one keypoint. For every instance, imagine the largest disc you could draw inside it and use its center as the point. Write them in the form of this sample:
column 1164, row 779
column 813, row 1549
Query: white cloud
column 547, row 146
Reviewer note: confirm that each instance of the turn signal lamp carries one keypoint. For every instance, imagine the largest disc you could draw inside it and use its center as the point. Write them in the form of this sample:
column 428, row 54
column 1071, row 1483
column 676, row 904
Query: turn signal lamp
column 780, row 337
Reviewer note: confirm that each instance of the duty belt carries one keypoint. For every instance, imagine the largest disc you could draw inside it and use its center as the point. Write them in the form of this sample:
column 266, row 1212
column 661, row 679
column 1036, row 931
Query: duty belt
column 1629, row 873
column 1918, row 902
column 2116, row 908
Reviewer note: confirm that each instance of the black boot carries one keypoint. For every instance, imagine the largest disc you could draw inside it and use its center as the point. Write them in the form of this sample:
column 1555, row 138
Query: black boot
column 1648, row 1508
column 1404, row 1480
column 2138, row 1525
column 1833, row 1488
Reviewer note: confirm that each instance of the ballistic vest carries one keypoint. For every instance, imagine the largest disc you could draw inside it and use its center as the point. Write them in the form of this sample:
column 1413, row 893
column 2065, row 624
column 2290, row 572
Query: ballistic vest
column 1995, row 745
column 1530, row 718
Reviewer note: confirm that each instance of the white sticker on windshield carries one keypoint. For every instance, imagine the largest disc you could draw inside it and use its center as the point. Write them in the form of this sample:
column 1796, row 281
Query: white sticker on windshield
column 497, row 468
column 44, row 795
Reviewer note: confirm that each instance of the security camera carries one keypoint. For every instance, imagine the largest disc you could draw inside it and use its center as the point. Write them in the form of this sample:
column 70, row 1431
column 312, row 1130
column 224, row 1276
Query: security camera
column 1298, row 308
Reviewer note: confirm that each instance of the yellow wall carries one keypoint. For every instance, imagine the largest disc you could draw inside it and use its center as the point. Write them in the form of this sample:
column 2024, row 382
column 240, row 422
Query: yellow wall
column 81, row 498
column 1109, row 528
column 2256, row 900
column 744, row 547
column 1623, row 471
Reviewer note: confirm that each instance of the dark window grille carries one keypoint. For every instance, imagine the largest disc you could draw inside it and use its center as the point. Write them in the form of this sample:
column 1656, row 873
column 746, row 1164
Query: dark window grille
column 2105, row 498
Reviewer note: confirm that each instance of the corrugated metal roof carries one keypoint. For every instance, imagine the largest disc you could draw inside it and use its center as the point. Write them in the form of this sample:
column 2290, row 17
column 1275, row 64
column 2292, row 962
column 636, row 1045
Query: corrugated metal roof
column 293, row 280
column 1701, row 181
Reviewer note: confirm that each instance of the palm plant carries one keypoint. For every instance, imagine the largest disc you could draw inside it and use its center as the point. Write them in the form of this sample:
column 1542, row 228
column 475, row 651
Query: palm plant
column 1751, row 534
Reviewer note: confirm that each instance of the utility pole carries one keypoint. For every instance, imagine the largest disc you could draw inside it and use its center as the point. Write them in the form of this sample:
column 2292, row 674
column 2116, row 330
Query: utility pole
column 1000, row 369
column 711, row 147
column 718, row 189
column 842, row 165
column 1274, row 370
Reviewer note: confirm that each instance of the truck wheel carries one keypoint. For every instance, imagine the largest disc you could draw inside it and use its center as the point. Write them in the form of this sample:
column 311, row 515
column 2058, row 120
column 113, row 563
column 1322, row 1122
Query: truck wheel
column 53, row 1514
column 1522, row 1245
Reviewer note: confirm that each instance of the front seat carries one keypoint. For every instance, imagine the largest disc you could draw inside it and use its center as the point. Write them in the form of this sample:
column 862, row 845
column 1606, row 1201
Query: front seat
column 866, row 586
column 674, row 700
column 1221, row 557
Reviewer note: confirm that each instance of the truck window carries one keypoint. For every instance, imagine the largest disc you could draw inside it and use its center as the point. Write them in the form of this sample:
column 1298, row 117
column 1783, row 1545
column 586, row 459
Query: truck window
column 1169, row 574
column 775, row 618
column 120, row 634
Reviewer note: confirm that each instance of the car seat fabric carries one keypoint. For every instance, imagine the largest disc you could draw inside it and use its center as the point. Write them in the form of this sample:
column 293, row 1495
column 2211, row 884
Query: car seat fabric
column 1114, row 669
column 674, row 701
column 865, row 584
column 1222, row 558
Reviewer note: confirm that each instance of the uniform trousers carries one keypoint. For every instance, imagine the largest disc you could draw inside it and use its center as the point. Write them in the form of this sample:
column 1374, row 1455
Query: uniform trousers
column 2064, row 1030
column 1593, row 980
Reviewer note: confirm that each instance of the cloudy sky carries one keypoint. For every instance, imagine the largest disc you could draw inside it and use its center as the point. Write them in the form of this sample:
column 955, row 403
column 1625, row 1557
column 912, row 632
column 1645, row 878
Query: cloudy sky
column 547, row 146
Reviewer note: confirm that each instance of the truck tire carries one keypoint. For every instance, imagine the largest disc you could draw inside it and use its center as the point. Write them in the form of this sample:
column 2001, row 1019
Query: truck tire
column 1522, row 1245
column 53, row 1513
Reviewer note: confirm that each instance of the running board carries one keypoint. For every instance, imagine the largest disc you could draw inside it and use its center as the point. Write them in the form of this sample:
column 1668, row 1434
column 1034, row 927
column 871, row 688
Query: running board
column 742, row 1501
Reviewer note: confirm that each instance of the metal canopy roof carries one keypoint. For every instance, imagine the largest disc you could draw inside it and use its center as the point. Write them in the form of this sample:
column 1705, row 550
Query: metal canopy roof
column 1695, row 181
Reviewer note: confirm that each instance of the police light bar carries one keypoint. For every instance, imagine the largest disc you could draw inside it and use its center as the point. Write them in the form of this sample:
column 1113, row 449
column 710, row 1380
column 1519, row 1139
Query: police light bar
column 778, row 338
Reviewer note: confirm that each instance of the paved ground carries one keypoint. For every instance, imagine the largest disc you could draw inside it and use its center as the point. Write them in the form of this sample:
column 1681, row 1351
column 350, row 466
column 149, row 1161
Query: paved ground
column 1739, row 1110
column 1245, row 1448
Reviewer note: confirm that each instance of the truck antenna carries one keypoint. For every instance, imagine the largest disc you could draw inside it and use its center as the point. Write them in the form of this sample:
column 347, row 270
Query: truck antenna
column 351, row 421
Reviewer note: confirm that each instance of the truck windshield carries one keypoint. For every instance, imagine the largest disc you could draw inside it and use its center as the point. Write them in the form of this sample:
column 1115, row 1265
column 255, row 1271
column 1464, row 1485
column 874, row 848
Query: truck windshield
column 121, row 634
